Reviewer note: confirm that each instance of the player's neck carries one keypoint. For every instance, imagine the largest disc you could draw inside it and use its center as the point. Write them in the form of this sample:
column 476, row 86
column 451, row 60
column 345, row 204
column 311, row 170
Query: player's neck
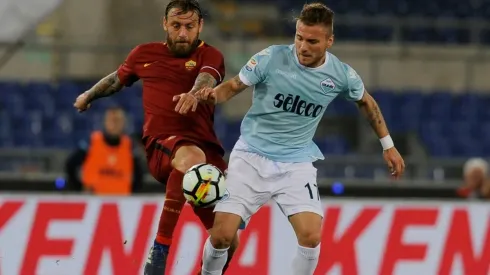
column 319, row 63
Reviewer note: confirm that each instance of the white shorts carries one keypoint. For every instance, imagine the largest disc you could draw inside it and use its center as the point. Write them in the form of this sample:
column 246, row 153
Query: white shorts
column 252, row 180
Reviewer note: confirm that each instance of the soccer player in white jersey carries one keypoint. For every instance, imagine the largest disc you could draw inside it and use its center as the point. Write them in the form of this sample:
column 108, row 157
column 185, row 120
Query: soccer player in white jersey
column 293, row 85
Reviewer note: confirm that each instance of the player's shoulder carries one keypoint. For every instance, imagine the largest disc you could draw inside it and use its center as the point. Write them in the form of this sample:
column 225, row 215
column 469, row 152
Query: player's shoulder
column 334, row 61
column 205, row 47
column 148, row 47
column 274, row 50
column 338, row 64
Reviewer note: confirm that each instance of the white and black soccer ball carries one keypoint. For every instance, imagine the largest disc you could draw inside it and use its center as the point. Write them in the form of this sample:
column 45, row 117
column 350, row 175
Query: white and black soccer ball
column 203, row 185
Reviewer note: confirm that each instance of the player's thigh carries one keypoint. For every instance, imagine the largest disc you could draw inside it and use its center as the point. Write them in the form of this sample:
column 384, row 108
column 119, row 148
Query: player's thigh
column 246, row 192
column 175, row 152
column 298, row 192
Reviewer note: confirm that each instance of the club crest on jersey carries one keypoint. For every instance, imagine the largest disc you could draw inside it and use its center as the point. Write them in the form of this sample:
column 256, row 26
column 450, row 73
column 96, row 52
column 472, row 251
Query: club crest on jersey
column 190, row 65
column 327, row 85
column 251, row 64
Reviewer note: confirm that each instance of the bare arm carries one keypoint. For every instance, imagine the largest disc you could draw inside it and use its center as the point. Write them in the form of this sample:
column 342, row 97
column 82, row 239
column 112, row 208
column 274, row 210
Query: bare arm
column 107, row 86
column 229, row 89
column 203, row 80
column 370, row 109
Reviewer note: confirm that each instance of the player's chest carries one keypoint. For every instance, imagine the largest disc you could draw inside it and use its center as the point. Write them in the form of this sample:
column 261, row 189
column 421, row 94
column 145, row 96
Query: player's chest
column 317, row 88
column 164, row 69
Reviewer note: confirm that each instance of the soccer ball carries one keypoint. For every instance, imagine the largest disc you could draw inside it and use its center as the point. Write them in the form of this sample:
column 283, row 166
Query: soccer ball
column 203, row 185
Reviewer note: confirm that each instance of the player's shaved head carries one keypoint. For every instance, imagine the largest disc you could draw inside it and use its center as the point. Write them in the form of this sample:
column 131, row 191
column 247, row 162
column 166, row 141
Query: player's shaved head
column 317, row 14
column 314, row 34
column 183, row 24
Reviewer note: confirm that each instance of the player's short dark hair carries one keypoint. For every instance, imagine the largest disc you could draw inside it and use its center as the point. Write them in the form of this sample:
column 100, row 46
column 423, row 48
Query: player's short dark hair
column 184, row 6
column 316, row 14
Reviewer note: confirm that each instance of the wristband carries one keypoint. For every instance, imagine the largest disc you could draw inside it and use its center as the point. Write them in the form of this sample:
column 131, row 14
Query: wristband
column 387, row 142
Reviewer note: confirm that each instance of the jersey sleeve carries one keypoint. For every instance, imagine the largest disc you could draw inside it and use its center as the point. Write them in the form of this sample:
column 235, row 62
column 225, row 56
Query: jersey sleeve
column 354, row 88
column 126, row 72
column 255, row 71
column 213, row 63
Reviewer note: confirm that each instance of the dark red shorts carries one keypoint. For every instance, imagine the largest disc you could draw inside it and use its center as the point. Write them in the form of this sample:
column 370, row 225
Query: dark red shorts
column 159, row 154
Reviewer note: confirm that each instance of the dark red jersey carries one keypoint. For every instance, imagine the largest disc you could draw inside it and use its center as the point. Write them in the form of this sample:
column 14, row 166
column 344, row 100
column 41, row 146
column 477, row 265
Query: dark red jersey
column 165, row 76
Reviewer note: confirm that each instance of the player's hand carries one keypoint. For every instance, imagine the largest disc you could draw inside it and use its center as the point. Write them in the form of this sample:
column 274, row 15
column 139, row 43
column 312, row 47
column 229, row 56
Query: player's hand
column 395, row 162
column 186, row 102
column 207, row 95
column 82, row 103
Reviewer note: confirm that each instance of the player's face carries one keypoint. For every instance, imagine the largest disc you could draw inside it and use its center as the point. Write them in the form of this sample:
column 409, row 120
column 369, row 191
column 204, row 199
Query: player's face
column 182, row 31
column 311, row 43
column 114, row 122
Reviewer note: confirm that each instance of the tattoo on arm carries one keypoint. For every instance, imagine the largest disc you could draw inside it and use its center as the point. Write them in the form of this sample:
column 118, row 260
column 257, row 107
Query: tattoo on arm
column 371, row 111
column 203, row 80
column 229, row 89
column 238, row 85
column 107, row 86
column 373, row 114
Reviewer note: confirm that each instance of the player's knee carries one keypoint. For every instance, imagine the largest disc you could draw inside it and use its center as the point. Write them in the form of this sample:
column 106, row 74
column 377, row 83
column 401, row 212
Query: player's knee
column 188, row 156
column 309, row 238
column 234, row 244
column 221, row 238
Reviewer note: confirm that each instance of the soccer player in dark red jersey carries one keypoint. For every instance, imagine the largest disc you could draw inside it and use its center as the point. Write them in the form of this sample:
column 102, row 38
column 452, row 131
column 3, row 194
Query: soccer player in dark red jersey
column 171, row 72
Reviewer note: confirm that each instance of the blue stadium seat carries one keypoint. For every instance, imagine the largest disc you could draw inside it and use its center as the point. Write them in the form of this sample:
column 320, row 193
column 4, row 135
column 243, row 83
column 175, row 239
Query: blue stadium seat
column 386, row 100
column 408, row 105
column 437, row 105
column 39, row 97
column 332, row 145
column 5, row 129
column 27, row 130
column 220, row 125
column 13, row 103
column 232, row 134
column 484, row 133
column 452, row 9
column 484, row 111
column 465, row 147
column 82, row 122
column 439, row 147
column 66, row 93
column 466, row 106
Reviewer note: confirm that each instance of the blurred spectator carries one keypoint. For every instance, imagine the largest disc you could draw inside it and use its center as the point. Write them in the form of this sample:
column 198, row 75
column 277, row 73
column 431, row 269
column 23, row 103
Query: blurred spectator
column 476, row 181
column 107, row 164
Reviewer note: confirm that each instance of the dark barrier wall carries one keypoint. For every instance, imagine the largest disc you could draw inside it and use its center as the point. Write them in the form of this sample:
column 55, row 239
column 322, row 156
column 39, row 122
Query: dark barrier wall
column 350, row 190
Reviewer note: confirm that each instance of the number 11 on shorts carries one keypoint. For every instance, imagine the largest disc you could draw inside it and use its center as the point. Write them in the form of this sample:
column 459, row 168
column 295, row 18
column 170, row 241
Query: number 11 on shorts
column 310, row 191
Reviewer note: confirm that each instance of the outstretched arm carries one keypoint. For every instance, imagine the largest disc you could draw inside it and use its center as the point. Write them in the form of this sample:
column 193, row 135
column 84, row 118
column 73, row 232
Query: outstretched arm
column 229, row 89
column 370, row 109
column 203, row 80
column 368, row 106
column 219, row 94
column 188, row 101
column 107, row 86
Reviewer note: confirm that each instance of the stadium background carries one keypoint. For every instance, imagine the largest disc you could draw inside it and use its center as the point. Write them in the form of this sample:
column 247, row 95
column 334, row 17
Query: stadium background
column 426, row 63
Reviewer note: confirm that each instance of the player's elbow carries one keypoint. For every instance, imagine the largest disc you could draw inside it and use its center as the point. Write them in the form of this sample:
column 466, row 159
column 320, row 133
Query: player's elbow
column 367, row 101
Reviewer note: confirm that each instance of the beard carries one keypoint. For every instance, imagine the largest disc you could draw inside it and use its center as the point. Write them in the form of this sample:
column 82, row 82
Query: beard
column 182, row 48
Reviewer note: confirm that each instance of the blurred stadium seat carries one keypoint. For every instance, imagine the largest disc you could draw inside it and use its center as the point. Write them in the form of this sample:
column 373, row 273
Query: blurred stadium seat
column 444, row 122
column 361, row 27
column 448, row 124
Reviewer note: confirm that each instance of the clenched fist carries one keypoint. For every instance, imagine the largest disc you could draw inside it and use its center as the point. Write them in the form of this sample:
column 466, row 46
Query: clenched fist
column 82, row 103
